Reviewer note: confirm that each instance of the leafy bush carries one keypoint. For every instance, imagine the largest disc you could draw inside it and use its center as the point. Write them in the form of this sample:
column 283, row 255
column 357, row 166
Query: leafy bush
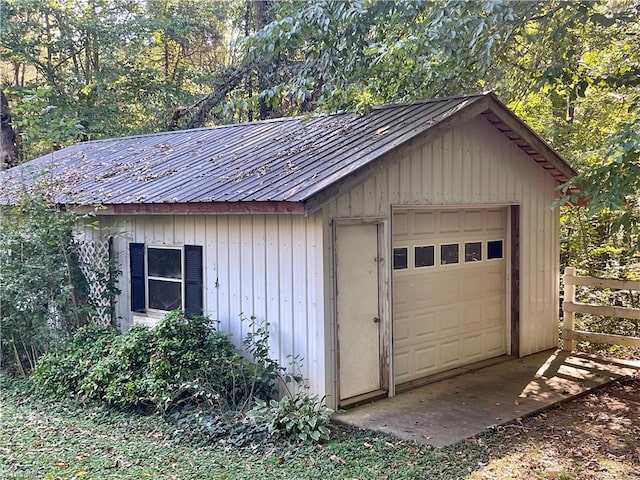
column 43, row 295
column 186, row 369
column 61, row 371
column 299, row 416
column 182, row 360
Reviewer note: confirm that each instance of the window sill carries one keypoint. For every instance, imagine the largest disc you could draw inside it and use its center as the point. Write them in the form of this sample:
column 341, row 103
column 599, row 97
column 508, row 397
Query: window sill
column 150, row 318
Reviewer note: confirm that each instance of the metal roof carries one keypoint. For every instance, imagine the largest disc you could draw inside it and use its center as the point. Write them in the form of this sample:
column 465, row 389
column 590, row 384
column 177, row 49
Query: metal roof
column 283, row 160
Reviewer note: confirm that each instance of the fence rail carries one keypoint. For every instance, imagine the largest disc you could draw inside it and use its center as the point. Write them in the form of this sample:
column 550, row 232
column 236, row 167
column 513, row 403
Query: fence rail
column 570, row 307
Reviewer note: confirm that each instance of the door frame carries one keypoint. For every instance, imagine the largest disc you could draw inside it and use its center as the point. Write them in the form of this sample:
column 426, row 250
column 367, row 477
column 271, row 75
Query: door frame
column 383, row 308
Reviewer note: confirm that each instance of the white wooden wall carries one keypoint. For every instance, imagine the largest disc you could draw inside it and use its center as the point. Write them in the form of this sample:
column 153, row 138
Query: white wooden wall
column 473, row 164
column 269, row 266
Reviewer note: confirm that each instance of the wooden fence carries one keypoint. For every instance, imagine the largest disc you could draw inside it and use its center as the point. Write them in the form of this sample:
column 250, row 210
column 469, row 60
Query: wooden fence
column 570, row 307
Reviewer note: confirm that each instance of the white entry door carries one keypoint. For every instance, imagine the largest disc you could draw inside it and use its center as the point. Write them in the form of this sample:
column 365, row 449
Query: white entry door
column 356, row 260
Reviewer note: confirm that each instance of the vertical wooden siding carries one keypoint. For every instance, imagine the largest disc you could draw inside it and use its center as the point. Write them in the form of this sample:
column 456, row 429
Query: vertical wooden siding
column 473, row 164
column 269, row 266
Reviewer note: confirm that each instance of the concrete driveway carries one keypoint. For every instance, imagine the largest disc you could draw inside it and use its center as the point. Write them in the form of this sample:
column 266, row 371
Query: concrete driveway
column 453, row 409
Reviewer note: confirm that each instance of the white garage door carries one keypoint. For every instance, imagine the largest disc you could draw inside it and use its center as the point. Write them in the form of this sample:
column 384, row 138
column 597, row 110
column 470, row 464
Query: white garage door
column 449, row 289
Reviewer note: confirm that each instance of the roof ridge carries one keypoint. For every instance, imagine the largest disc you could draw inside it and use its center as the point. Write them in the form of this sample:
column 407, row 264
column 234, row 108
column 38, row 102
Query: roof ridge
column 278, row 120
column 434, row 100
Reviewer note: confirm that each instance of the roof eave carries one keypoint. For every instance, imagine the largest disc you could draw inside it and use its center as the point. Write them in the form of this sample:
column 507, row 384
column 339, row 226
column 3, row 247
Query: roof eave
column 506, row 122
column 196, row 208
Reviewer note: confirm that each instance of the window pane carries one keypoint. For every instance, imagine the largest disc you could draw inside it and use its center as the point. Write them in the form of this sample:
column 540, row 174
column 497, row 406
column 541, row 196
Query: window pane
column 473, row 251
column 164, row 262
column 400, row 258
column 165, row 295
column 449, row 254
column 425, row 256
column 494, row 249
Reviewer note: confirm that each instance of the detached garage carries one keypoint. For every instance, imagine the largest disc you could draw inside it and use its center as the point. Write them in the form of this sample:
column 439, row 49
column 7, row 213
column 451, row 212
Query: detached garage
column 381, row 249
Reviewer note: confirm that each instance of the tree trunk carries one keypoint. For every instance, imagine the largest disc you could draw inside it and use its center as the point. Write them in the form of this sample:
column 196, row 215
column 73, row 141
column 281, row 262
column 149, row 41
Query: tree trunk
column 264, row 15
column 8, row 147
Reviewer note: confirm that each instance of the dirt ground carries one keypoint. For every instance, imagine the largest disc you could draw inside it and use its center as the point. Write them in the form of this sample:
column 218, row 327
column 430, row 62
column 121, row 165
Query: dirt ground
column 593, row 437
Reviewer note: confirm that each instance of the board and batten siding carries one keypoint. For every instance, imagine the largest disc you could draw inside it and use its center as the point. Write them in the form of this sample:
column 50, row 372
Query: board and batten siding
column 473, row 164
column 268, row 266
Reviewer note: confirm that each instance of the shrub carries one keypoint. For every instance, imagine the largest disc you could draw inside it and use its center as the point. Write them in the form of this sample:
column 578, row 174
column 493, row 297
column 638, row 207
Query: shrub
column 186, row 369
column 299, row 417
column 182, row 360
column 61, row 371
column 42, row 290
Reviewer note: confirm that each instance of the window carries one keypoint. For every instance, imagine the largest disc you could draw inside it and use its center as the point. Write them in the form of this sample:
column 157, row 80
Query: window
column 164, row 275
column 449, row 254
column 166, row 278
column 494, row 249
column 424, row 256
column 472, row 252
column 400, row 258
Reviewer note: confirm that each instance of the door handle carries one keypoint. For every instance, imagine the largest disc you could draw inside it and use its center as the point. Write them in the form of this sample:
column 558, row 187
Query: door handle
column 376, row 320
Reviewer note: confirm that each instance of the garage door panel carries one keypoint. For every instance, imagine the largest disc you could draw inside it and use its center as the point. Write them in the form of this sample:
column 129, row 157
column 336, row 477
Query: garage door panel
column 495, row 311
column 400, row 224
column 495, row 341
column 473, row 346
column 449, row 321
column 424, row 223
column 408, row 333
column 401, row 366
column 450, row 352
column 473, row 221
column 426, row 325
column 446, row 316
column 412, row 289
column 496, row 220
column 401, row 329
column 449, row 222
column 494, row 282
column 446, row 289
column 474, row 315
column 426, row 359
column 472, row 286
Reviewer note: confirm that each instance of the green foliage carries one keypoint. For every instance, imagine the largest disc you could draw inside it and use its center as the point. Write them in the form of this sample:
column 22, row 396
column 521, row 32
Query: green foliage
column 183, row 360
column 351, row 55
column 61, row 371
column 42, row 126
column 43, row 294
column 106, row 68
column 300, row 417
column 264, row 369
column 186, row 369
column 120, row 377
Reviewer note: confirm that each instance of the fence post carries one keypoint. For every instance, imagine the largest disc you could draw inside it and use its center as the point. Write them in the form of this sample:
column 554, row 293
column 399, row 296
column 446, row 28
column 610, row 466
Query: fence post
column 568, row 318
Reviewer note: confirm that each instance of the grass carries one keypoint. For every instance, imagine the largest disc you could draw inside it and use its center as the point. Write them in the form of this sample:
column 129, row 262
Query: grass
column 54, row 439
column 45, row 438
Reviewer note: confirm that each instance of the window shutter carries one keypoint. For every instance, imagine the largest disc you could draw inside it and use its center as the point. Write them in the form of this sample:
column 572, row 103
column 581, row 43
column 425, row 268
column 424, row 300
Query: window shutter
column 136, row 264
column 193, row 279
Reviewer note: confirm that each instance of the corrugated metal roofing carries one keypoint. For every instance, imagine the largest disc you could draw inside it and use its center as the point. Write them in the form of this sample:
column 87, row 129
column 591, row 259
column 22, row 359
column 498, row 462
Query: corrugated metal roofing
column 284, row 160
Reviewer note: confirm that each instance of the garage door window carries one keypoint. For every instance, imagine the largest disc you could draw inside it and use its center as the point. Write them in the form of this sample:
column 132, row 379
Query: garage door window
column 494, row 249
column 449, row 254
column 400, row 258
column 425, row 256
column 472, row 252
